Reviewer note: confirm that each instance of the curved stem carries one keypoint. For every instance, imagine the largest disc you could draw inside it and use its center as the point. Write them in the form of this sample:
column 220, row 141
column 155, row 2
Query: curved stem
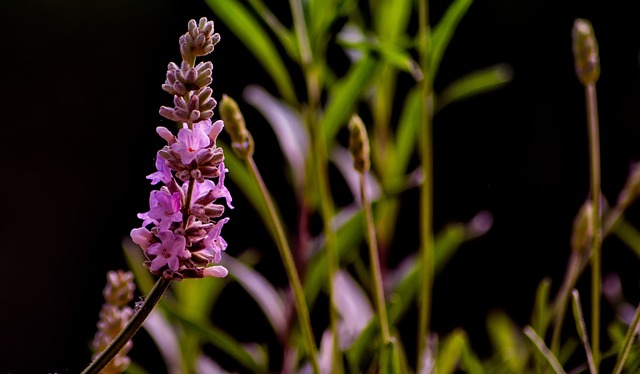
column 374, row 258
column 596, row 255
column 130, row 329
column 290, row 268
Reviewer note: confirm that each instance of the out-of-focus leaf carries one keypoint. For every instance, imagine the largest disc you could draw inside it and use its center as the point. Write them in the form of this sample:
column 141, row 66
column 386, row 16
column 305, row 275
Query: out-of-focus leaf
column 450, row 351
column 288, row 127
column 284, row 35
column 444, row 30
column 390, row 360
column 236, row 17
column 474, row 83
column 544, row 350
column 507, row 341
column 581, row 326
column 469, row 361
column 353, row 306
column 629, row 235
column 348, row 236
column 134, row 257
column 390, row 54
column 197, row 298
column 408, row 130
column 540, row 317
column 206, row 365
column 262, row 292
column 217, row 338
column 345, row 95
column 392, row 18
column 446, row 243
column 165, row 338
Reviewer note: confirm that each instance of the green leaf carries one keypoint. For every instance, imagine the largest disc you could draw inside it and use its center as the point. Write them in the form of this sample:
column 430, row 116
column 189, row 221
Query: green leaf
column 450, row 351
column 507, row 341
column 284, row 35
column 544, row 350
column 217, row 338
column 408, row 130
column 345, row 95
column 390, row 54
column 392, row 18
column 444, row 30
column 540, row 316
column 348, row 236
column 475, row 83
column 236, row 17
column 390, row 359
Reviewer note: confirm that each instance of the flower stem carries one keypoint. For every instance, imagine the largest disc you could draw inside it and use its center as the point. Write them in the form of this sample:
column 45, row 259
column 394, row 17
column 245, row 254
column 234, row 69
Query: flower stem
column 426, row 192
column 131, row 328
column 629, row 338
column 374, row 258
column 596, row 259
column 319, row 148
column 290, row 268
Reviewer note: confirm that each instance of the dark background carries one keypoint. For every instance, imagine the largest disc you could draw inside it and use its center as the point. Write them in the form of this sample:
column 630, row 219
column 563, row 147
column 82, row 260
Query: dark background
column 80, row 97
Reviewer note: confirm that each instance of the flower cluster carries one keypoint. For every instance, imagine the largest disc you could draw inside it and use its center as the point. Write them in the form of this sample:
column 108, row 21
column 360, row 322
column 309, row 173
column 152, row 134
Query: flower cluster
column 185, row 221
column 114, row 315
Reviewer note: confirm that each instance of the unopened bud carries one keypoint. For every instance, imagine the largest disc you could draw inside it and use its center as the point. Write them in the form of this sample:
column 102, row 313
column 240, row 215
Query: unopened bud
column 582, row 227
column 359, row 144
column 241, row 140
column 585, row 52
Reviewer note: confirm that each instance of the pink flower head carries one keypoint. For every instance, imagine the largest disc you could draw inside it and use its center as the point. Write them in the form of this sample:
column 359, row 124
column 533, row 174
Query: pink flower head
column 164, row 209
column 169, row 251
column 163, row 174
column 189, row 143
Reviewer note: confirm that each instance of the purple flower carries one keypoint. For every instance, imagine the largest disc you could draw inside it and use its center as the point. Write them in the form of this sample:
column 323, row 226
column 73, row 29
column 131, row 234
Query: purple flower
column 189, row 143
column 221, row 190
column 164, row 209
column 142, row 237
column 214, row 243
column 163, row 174
column 169, row 251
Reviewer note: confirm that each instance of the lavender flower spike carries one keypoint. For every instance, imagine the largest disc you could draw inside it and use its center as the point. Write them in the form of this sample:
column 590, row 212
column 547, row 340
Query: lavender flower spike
column 180, row 234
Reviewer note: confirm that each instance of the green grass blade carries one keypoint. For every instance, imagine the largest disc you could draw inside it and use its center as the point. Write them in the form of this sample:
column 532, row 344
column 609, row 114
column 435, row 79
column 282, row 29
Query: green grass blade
column 544, row 350
column 581, row 326
column 345, row 95
column 475, row 83
column 408, row 129
column 284, row 35
column 629, row 338
column 390, row 359
column 391, row 54
column 444, row 30
column 237, row 18
column 540, row 316
column 450, row 352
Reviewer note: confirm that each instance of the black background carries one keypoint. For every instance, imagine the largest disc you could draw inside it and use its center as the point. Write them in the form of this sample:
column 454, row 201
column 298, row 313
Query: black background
column 80, row 97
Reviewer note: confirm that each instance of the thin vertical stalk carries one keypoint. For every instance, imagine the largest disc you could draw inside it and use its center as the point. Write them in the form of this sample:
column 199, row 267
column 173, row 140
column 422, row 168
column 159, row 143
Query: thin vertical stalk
column 290, row 268
column 628, row 341
column 131, row 328
column 596, row 259
column 426, row 192
column 319, row 149
column 374, row 258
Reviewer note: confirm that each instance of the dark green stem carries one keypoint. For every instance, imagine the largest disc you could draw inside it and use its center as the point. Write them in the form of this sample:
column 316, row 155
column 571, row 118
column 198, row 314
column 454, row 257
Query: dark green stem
column 131, row 328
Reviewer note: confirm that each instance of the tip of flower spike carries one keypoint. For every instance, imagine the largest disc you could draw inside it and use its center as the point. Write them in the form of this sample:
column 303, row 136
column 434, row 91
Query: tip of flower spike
column 359, row 144
column 241, row 140
column 585, row 51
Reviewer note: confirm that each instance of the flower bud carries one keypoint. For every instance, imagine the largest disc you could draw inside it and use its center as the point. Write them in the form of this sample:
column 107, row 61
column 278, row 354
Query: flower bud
column 359, row 144
column 215, row 271
column 241, row 140
column 585, row 52
column 582, row 227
